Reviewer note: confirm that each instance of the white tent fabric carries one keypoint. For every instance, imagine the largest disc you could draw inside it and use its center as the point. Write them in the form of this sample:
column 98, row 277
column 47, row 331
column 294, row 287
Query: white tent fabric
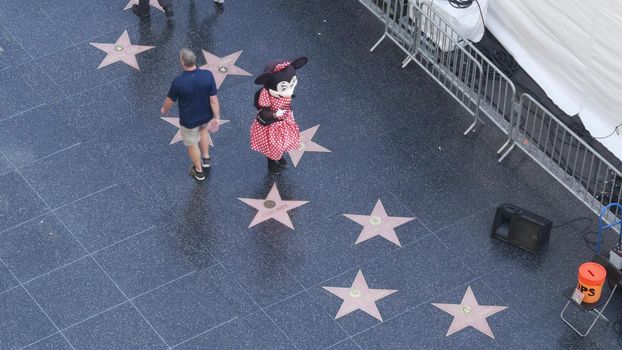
column 573, row 50
column 467, row 22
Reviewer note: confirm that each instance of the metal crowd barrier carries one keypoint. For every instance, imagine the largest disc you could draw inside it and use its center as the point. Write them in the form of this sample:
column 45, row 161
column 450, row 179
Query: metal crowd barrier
column 477, row 84
column 565, row 155
column 496, row 91
column 436, row 48
column 377, row 7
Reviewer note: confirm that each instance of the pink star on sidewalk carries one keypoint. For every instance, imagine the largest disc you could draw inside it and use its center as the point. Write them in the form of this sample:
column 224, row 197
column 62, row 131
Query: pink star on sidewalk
column 272, row 207
column 470, row 313
column 223, row 66
column 153, row 3
column 359, row 297
column 306, row 145
column 122, row 50
column 177, row 137
column 378, row 224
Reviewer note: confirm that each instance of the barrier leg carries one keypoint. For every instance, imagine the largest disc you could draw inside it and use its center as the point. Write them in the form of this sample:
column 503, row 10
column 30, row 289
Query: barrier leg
column 507, row 143
column 505, row 154
column 470, row 128
column 384, row 35
column 406, row 61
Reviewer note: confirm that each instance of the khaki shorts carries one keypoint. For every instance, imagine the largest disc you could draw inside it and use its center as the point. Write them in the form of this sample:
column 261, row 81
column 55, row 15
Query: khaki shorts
column 191, row 136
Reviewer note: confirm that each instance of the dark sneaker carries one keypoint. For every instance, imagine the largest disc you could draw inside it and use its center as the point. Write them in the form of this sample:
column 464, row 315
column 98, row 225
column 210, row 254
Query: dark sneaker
column 205, row 162
column 140, row 13
column 282, row 162
column 273, row 167
column 169, row 11
column 197, row 175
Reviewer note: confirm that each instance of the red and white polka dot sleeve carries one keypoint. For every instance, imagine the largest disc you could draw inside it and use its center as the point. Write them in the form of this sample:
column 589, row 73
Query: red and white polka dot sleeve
column 264, row 98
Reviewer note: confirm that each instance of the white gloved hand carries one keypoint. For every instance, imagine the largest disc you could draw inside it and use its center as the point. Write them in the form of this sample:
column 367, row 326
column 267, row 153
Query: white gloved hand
column 279, row 113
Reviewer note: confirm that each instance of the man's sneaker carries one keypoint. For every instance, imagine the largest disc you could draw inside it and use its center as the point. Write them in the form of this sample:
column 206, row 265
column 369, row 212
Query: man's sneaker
column 205, row 162
column 194, row 173
column 169, row 11
column 282, row 162
column 140, row 13
column 219, row 1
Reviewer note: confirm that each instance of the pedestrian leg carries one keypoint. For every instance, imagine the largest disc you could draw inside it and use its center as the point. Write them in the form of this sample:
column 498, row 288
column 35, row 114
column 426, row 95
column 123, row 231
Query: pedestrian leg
column 143, row 5
column 167, row 5
column 195, row 155
column 141, row 9
column 204, row 145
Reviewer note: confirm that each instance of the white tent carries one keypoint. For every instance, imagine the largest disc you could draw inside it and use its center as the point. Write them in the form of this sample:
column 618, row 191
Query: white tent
column 573, row 50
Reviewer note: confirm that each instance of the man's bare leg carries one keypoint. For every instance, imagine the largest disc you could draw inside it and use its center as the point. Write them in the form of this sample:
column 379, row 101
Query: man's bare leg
column 195, row 155
column 203, row 143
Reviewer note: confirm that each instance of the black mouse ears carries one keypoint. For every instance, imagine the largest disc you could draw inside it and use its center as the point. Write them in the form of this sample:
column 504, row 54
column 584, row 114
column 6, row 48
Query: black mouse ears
column 265, row 77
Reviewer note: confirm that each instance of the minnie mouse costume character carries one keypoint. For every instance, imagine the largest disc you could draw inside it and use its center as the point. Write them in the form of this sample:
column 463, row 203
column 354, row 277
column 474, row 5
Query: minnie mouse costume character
column 274, row 130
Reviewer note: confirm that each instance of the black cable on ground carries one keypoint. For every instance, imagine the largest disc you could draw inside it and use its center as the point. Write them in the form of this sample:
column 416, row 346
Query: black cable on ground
column 585, row 233
column 589, row 243
column 575, row 220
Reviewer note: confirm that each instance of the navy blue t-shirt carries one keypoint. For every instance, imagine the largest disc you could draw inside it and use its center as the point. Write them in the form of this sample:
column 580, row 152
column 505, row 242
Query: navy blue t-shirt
column 193, row 90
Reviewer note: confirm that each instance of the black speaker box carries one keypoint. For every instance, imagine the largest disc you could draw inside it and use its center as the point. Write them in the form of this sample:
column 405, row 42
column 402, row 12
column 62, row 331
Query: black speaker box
column 521, row 228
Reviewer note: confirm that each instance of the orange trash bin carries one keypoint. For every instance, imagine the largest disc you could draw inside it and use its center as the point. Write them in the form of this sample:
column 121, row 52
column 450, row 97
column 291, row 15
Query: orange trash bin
column 591, row 279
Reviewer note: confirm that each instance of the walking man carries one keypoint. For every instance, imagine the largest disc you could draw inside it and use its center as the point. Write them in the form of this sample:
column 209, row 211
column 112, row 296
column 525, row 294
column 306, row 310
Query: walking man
column 199, row 111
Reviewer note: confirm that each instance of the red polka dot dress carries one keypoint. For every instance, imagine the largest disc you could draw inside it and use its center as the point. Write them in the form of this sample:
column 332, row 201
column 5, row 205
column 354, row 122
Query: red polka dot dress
column 277, row 138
